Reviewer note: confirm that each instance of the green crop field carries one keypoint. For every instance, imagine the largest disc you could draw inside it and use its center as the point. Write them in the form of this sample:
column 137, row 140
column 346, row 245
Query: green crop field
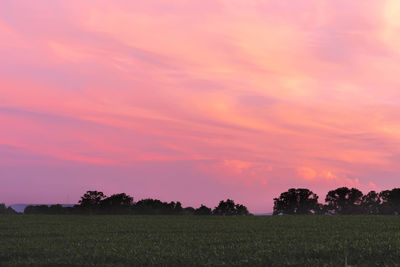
column 50, row 240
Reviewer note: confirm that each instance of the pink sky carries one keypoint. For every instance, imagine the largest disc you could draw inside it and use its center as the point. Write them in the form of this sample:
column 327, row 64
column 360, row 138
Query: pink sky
column 197, row 101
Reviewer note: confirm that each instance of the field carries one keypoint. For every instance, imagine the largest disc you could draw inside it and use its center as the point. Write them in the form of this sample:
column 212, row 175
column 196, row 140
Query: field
column 46, row 240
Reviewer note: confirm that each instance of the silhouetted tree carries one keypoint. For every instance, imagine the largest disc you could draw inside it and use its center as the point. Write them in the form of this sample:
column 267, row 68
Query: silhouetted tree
column 92, row 199
column 321, row 209
column 241, row 210
column 148, row 206
column 3, row 208
column 225, row 208
column 155, row 206
column 203, row 210
column 188, row 210
column 6, row 210
column 390, row 201
column 174, row 207
column 229, row 207
column 297, row 201
column 344, row 201
column 117, row 200
column 117, row 203
column 177, row 209
column 371, row 203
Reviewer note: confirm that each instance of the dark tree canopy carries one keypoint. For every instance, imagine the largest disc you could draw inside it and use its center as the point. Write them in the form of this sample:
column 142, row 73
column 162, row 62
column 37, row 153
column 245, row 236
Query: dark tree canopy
column 229, row 207
column 155, row 206
column 92, row 199
column 5, row 210
column 117, row 203
column 203, row 210
column 390, row 201
column 241, row 210
column 117, row 200
column 296, row 201
column 370, row 203
column 189, row 210
column 339, row 201
column 344, row 201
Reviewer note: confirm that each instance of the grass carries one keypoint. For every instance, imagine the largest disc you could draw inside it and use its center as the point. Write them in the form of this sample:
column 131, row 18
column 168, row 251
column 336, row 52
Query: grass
column 49, row 240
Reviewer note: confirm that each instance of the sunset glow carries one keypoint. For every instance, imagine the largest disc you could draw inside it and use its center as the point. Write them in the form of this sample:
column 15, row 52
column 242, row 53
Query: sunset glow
column 197, row 101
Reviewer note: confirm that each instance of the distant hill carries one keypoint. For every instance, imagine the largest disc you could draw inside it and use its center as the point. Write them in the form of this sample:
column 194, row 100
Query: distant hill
column 21, row 207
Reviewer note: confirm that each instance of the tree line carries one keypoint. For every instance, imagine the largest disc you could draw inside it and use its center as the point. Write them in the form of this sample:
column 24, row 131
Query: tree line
column 342, row 200
column 96, row 202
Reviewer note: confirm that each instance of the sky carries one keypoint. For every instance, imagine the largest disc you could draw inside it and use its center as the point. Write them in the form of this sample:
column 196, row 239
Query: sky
column 198, row 101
